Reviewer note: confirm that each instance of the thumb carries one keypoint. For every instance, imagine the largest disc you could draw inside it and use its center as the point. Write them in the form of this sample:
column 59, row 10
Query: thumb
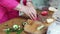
column 30, row 4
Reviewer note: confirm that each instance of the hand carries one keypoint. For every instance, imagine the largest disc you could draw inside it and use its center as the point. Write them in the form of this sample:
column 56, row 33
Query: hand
column 30, row 11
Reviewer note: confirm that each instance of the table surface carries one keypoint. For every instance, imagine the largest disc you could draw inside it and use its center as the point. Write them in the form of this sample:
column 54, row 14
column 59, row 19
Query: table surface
column 10, row 24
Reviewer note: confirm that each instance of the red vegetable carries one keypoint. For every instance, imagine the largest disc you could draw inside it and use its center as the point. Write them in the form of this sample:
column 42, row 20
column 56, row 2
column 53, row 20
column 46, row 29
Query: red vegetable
column 44, row 13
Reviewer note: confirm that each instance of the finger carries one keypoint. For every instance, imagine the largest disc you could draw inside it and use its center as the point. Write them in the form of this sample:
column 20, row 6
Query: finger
column 29, row 4
column 30, row 17
column 31, row 14
column 34, row 13
column 28, row 13
column 35, row 17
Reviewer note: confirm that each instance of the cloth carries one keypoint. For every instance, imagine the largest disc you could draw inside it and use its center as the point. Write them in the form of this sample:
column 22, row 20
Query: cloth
column 54, row 28
column 55, row 4
column 7, row 10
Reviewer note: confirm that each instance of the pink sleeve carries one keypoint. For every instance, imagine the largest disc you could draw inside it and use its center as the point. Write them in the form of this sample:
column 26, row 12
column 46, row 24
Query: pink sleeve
column 11, row 4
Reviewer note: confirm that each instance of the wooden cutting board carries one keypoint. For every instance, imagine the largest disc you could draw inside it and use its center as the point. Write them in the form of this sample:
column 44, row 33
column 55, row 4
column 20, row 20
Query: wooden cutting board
column 11, row 22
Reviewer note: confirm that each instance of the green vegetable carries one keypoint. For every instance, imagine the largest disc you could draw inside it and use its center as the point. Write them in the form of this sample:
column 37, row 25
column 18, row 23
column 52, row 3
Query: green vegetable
column 15, row 26
column 24, row 23
column 19, row 31
column 8, row 31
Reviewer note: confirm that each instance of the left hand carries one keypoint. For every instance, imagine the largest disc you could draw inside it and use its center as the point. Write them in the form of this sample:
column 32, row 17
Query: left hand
column 32, row 10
